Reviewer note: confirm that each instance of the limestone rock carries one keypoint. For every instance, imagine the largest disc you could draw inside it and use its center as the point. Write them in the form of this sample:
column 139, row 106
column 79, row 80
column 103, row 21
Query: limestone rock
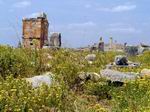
column 90, row 58
column 131, row 50
column 117, row 76
column 55, row 40
column 133, row 64
column 37, row 81
column 89, row 76
column 142, row 48
column 145, row 72
column 121, row 60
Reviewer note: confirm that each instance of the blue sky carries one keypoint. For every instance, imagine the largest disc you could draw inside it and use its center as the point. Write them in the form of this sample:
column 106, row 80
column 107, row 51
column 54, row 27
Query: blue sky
column 81, row 22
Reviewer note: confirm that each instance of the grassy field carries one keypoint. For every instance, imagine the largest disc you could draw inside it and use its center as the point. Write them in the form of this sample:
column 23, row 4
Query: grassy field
column 18, row 95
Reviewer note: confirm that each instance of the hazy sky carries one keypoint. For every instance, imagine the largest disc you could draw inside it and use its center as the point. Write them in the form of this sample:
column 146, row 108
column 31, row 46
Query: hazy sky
column 81, row 22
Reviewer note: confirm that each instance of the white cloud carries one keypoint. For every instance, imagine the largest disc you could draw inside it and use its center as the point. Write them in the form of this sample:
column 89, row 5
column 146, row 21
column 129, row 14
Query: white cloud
column 81, row 25
column 122, row 28
column 119, row 24
column 22, row 4
column 119, row 8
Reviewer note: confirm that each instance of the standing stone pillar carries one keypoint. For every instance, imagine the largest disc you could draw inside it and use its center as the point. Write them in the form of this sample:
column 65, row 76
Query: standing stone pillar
column 111, row 43
column 101, row 45
column 55, row 40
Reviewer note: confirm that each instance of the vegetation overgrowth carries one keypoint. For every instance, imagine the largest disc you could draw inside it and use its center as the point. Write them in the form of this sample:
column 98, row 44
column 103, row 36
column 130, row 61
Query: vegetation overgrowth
column 16, row 94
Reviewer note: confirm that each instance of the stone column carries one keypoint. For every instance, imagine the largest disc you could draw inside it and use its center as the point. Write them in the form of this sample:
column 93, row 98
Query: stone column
column 111, row 43
column 101, row 45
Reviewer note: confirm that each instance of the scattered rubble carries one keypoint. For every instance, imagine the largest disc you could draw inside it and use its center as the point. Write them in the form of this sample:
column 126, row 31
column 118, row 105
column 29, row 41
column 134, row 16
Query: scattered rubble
column 89, row 76
column 142, row 48
column 133, row 64
column 136, row 50
column 131, row 50
column 37, row 81
column 116, row 76
column 83, row 77
column 122, row 61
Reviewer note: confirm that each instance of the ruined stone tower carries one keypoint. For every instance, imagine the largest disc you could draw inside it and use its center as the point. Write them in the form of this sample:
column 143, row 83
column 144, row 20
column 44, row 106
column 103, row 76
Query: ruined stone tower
column 35, row 31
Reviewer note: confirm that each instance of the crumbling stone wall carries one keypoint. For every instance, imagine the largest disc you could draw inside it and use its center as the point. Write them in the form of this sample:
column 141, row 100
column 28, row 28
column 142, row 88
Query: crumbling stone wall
column 35, row 32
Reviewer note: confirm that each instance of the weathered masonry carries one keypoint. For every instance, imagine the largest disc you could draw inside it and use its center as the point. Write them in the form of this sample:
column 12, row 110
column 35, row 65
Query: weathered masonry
column 35, row 31
column 55, row 40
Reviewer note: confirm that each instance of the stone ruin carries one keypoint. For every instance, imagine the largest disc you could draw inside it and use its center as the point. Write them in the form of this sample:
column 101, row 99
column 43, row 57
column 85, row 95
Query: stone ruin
column 142, row 48
column 101, row 45
column 35, row 31
column 90, row 58
column 55, row 40
column 37, row 81
column 136, row 50
column 122, row 61
column 131, row 50
column 117, row 78
column 93, row 47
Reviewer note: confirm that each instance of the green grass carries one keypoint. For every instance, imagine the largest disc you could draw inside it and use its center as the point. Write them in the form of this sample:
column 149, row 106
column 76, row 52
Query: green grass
column 17, row 95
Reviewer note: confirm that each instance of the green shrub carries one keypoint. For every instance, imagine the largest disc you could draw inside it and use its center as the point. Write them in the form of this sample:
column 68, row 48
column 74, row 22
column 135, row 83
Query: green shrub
column 100, row 89
column 19, row 61
column 18, row 95
column 133, row 97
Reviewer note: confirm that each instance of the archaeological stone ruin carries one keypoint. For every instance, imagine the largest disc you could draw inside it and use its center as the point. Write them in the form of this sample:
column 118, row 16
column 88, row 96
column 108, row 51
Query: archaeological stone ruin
column 55, row 40
column 101, row 45
column 114, row 75
column 122, row 61
column 37, row 81
column 35, row 31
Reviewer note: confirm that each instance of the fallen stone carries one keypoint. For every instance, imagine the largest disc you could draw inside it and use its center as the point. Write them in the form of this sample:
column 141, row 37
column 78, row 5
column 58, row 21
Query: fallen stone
column 90, row 58
column 133, row 64
column 116, row 76
column 89, row 76
column 145, row 72
column 131, row 50
column 142, row 48
column 94, row 76
column 37, row 81
column 121, row 60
